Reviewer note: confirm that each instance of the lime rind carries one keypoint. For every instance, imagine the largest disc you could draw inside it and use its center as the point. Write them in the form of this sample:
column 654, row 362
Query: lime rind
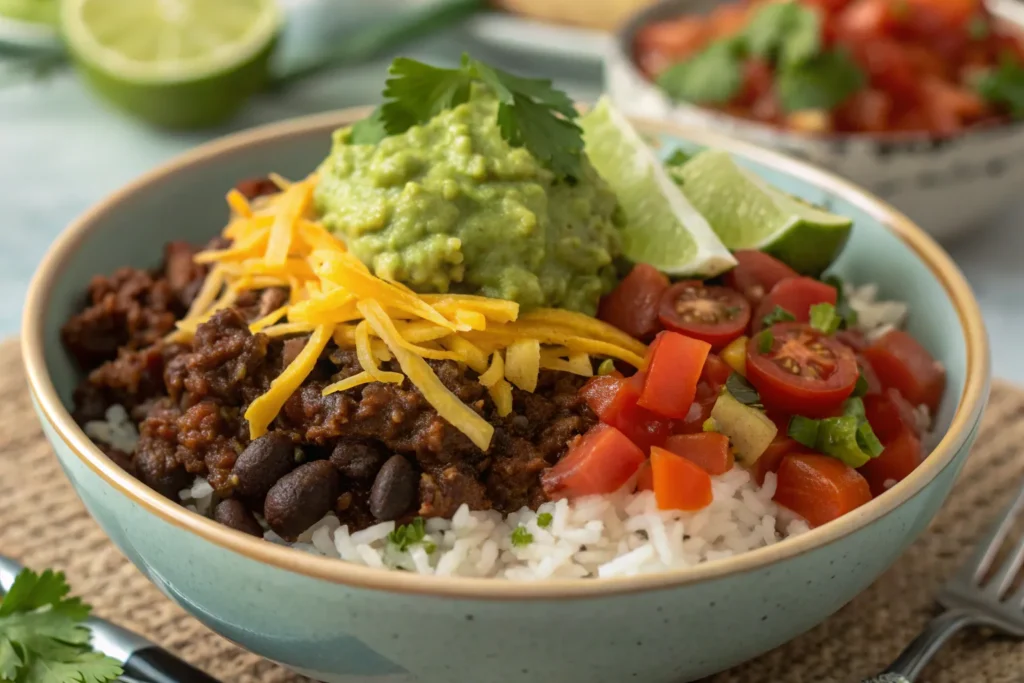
column 663, row 228
column 223, row 56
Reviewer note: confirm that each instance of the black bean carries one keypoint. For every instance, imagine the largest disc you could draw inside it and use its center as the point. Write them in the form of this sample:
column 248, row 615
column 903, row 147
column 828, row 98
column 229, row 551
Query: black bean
column 301, row 498
column 394, row 489
column 262, row 463
column 233, row 513
column 157, row 467
column 357, row 459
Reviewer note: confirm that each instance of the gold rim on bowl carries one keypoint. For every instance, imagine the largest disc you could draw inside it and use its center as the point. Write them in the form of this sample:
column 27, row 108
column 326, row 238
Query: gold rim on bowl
column 968, row 413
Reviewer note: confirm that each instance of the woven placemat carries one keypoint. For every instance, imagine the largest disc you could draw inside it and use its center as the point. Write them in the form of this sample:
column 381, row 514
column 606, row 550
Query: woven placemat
column 43, row 524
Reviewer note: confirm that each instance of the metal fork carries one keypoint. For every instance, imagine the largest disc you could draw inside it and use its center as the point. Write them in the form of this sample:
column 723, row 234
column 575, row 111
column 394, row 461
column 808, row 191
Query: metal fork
column 971, row 599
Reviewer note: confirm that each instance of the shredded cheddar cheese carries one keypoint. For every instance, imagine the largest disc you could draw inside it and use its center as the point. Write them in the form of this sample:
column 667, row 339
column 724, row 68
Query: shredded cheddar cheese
column 276, row 241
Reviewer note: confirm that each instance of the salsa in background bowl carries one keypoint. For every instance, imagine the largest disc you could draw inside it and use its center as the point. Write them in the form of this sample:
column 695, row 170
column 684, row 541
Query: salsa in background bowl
column 894, row 95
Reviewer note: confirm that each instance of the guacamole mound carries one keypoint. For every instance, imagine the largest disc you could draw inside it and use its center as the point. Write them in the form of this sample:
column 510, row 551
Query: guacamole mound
column 449, row 206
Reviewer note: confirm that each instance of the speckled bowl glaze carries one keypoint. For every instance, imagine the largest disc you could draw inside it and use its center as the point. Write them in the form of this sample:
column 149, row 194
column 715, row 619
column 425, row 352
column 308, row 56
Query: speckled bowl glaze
column 343, row 623
column 948, row 186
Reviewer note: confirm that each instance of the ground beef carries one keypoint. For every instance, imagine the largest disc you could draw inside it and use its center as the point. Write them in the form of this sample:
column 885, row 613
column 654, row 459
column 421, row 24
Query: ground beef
column 190, row 403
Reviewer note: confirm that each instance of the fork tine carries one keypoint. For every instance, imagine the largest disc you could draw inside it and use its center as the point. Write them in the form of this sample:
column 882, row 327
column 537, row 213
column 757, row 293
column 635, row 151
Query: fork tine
column 1003, row 579
column 985, row 552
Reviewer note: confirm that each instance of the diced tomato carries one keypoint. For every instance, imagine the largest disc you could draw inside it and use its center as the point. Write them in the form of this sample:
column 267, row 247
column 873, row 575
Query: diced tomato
column 902, row 363
column 901, row 456
column 674, row 38
column 727, row 20
column 771, row 459
column 716, row 371
column 888, row 68
column 820, row 488
column 949, row 108
column 709, row 450
column 869, row 375
column 866, row 110
column 713, row 314
column 803, row 372
column 756, row 273
column 795, row 295
column 696, row 416
column 757, row 81
column 633, row 305
column 889, row 414
column 673, row 371
column 953, row 12
column 678, row 483
column 645, row 477
column 619, row 409
column 863, row 21
column 601, row 461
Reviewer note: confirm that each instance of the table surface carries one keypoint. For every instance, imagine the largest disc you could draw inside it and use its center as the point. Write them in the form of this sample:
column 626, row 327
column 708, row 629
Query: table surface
column 61, row 151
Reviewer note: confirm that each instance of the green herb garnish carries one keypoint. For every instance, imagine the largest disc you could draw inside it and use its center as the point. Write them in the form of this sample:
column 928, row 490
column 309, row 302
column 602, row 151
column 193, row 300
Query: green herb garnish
column 42, row 639
column 824, row 82
column 712, row 76
column 803, row 430
column 521, row 537
column 1003, row 86
column 861, row 387
column 531, row 113
column 784, row 32
column 765, row 341
column 846, row 312
column 408, row 535
column 544, row 520
column 677, row 158
column 777, row 315
column 606, row 367
column 824, row 318
column 742, row 390
column 848, row 438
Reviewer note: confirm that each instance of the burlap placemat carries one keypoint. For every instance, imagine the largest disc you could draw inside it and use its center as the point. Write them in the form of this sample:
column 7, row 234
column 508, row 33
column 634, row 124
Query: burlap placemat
column 43, row 524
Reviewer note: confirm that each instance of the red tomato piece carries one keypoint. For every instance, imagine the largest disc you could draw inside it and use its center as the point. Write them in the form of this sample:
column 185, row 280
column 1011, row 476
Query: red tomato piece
column 709, row 450
column 804, row 372
column 889, row 413
column 693, row 423
column 757, row 81
column 716, row 371
column 678, row 483
column 866, row 111
column 863, row 21
column 673, row 370
column 852, row 338
column 600, row 461
column 633, row 305
column 756, row 273
column 771, row 459
column 901, row 456
column 820, row 488
column 618, row 407
column 795, row 295
column 716, row 315
column 599, row 392
column 902, row 363
column 645, row 477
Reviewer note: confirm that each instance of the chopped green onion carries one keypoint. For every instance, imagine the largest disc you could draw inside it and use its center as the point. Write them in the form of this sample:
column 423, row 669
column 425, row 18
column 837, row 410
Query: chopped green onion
column 742, row 390
column 521, row 537
column 606, row 367
column 765, row 341
column 824, row 318
column 544, row 520
column 854, row 407
column 430, row 547
column 709, row 425
column 867, row 440
column 778, row 315
column 408, row 535
column 848, row 316
column 803, row 430
column 861, row 387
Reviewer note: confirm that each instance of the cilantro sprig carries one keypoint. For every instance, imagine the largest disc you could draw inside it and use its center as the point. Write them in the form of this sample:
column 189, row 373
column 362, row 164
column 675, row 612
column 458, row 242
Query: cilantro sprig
column 531, row 113
column 1003, row 86
column 42, row 639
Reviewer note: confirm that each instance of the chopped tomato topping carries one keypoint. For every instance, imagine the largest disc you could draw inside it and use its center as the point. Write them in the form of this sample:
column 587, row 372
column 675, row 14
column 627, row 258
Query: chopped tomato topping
column 619, row 409
column 696, row 416
column 673, row 370
column 901, row 456
column 795, row 295
column 678, row 483
column 633, row 305
column 889, row 413
column 716, row 315
column 708, row 450
column 756, row 273
column 819, row 488
column 716, row 371
column 772, row 457
column 645, row 477
column 903, row 364
column 601, row 461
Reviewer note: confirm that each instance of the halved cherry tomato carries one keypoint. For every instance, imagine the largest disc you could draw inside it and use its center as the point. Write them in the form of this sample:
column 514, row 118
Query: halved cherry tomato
column 709, row 450
column 819, row 488
column 673, row 370
column 804, row 372
column 600, row 461
column 645, row 477
column 889, row 413
column 756, row 273
column 716, row 371
column 901, row 456
column 771, row 459
column 902, row 363
column 633, row 305
column 678, row 483
column 795, row 295
column 716, row 315
column 869, row 375
column 619, row 409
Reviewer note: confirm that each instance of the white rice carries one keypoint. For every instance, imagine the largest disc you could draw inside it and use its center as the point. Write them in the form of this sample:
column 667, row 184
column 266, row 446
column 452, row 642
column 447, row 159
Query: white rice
column 621, row 534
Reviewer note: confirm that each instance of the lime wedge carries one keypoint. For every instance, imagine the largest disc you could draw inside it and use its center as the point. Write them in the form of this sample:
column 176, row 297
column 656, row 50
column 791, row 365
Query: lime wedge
column 748, row 213
column 662, row 227
column 175, row 63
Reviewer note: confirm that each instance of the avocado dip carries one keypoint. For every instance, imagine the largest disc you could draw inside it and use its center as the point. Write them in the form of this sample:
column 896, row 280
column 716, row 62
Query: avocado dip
column 451, row 206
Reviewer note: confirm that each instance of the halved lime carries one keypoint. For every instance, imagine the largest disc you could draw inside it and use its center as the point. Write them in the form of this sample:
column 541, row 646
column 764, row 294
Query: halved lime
column 175, row 63
column 662, row 227
column 748, row 213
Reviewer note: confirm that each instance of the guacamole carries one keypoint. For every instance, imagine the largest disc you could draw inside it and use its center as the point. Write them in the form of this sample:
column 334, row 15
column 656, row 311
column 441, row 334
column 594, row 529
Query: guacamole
column 451, row 206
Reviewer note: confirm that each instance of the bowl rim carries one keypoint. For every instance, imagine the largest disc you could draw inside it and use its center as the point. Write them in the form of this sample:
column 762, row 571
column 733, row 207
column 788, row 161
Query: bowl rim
column 620, row 52
column 50, row 407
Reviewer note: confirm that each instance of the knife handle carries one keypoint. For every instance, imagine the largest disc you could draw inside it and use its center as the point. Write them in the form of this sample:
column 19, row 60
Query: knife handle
column 156, row 665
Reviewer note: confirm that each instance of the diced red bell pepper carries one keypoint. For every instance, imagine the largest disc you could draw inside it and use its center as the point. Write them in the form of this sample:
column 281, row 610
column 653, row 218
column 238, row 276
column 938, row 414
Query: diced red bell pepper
column 614, row 401
column 599, row 462
column 678, row 483
column 673, row 370
column 708, row 450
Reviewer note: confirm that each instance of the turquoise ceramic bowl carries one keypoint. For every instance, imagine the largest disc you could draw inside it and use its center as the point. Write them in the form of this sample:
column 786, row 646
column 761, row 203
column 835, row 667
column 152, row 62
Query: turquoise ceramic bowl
column 344, row 623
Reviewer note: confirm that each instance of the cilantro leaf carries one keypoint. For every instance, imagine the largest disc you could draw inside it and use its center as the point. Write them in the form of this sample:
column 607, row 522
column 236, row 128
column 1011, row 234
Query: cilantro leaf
column 742, row 390
column 416, row 92
column 10, row 660
column 544, row 520
column 823, row 82
column 505, row 85
column 712, row 76
column 31, row 591
column 369, row 131
column 1003, row 86
column 408, row 535
column 521, row 537
column 777, row 315
column 785, row 32
column 825, row 318
column 556, row 142
column 84, row 667
column 765, row 341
